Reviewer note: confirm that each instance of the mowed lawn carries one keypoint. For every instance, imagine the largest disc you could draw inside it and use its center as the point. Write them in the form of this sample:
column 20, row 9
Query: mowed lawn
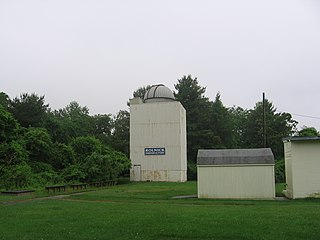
column 149, row 211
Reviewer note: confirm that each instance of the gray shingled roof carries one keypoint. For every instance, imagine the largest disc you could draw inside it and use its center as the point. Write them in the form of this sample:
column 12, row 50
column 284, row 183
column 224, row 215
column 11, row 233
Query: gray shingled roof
column 304, row 138
column 235, row 156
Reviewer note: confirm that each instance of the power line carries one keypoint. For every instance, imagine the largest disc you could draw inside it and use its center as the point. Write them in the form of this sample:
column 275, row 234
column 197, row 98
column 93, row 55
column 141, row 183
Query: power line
column 301, row 115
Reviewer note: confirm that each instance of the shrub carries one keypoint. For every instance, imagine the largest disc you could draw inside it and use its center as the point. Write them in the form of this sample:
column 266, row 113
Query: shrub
column 106, row 166
column 280, row 171
column 17, row 176
column 73, row 173
column 85, row 146
column 191, row 171
column 39, row 145
column 63, row 156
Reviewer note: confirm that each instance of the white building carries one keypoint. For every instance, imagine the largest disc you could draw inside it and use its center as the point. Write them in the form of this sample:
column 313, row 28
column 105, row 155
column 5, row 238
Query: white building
column 302, row 164
column 158, row 144
column 236, row 173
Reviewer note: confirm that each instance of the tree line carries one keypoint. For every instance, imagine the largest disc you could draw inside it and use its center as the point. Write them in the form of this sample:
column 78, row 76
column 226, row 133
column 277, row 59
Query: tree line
column 41, row 146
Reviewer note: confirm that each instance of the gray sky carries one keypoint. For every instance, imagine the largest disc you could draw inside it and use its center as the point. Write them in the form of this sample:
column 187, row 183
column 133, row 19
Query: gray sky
column 97, row 52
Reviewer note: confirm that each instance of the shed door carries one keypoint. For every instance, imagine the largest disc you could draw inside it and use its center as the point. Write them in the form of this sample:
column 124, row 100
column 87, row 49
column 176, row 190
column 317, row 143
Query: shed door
column 137, row 173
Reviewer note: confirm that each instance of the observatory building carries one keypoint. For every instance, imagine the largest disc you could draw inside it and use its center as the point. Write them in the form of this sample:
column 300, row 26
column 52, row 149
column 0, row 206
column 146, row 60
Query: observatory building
column 158, row 142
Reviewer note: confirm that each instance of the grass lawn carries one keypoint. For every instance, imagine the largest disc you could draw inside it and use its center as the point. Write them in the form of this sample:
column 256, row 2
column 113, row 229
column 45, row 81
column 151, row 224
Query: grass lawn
column 148, row 211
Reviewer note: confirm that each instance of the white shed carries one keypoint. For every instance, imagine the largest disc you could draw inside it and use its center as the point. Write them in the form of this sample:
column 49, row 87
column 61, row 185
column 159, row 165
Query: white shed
column 236, row 173
column 302, row 164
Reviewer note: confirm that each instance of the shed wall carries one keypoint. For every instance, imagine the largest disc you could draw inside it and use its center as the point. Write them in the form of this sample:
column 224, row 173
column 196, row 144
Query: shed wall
column 305, row 169
column 237, row 181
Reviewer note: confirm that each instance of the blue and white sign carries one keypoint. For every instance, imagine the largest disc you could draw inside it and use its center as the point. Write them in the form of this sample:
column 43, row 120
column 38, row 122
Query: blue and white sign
column 155, row 151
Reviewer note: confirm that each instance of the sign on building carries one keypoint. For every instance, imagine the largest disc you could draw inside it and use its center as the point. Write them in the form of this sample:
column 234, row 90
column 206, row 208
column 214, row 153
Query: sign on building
column 155, row 151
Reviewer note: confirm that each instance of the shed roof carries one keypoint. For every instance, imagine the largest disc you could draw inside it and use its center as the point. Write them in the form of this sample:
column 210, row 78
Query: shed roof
column 235, row 156
column 299, row 138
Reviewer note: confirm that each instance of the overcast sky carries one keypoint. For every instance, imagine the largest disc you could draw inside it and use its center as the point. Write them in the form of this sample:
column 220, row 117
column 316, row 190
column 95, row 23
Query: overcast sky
column 97, row 52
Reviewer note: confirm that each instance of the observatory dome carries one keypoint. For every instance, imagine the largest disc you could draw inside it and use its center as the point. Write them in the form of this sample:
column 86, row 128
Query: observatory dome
column 158, row 93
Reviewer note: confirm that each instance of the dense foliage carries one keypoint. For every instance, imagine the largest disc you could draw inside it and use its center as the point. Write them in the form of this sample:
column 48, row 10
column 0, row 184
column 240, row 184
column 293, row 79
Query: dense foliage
column 308, row 132
column 39, row 146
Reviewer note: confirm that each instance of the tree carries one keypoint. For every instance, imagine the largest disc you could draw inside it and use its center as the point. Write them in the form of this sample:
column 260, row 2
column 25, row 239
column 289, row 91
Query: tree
column 308, row 132
column 121, row 132
column 30, row 109
column 278, row 126
column 222, row 125
column 63, row 156
column 103, row 126
column 4, row 100
column 85, row 146
column 11, row 154
column 58, row 128
column 199, row 113
column 8, row 126
column 73, row 111
column 140, row 92
column 39, row 145
column 239, row 118
column 71, row 122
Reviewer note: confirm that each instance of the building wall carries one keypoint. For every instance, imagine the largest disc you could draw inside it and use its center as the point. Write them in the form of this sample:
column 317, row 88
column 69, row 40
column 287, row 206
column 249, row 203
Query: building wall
column 288, row 169
column 158, row 125
column 303, row 166
column 236, row 181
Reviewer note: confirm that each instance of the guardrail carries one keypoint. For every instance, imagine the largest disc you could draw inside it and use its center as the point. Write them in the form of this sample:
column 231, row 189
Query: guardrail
column 77, row 186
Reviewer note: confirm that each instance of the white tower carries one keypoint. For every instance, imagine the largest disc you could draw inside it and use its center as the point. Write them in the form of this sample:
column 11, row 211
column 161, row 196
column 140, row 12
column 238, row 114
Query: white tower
column 158, row 142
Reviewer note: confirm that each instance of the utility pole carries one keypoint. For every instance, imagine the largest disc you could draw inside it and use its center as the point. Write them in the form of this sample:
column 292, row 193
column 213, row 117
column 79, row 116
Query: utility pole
column 264, row 129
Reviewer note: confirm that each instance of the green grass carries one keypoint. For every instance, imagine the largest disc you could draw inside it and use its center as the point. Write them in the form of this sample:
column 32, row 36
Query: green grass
column 148, row 211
